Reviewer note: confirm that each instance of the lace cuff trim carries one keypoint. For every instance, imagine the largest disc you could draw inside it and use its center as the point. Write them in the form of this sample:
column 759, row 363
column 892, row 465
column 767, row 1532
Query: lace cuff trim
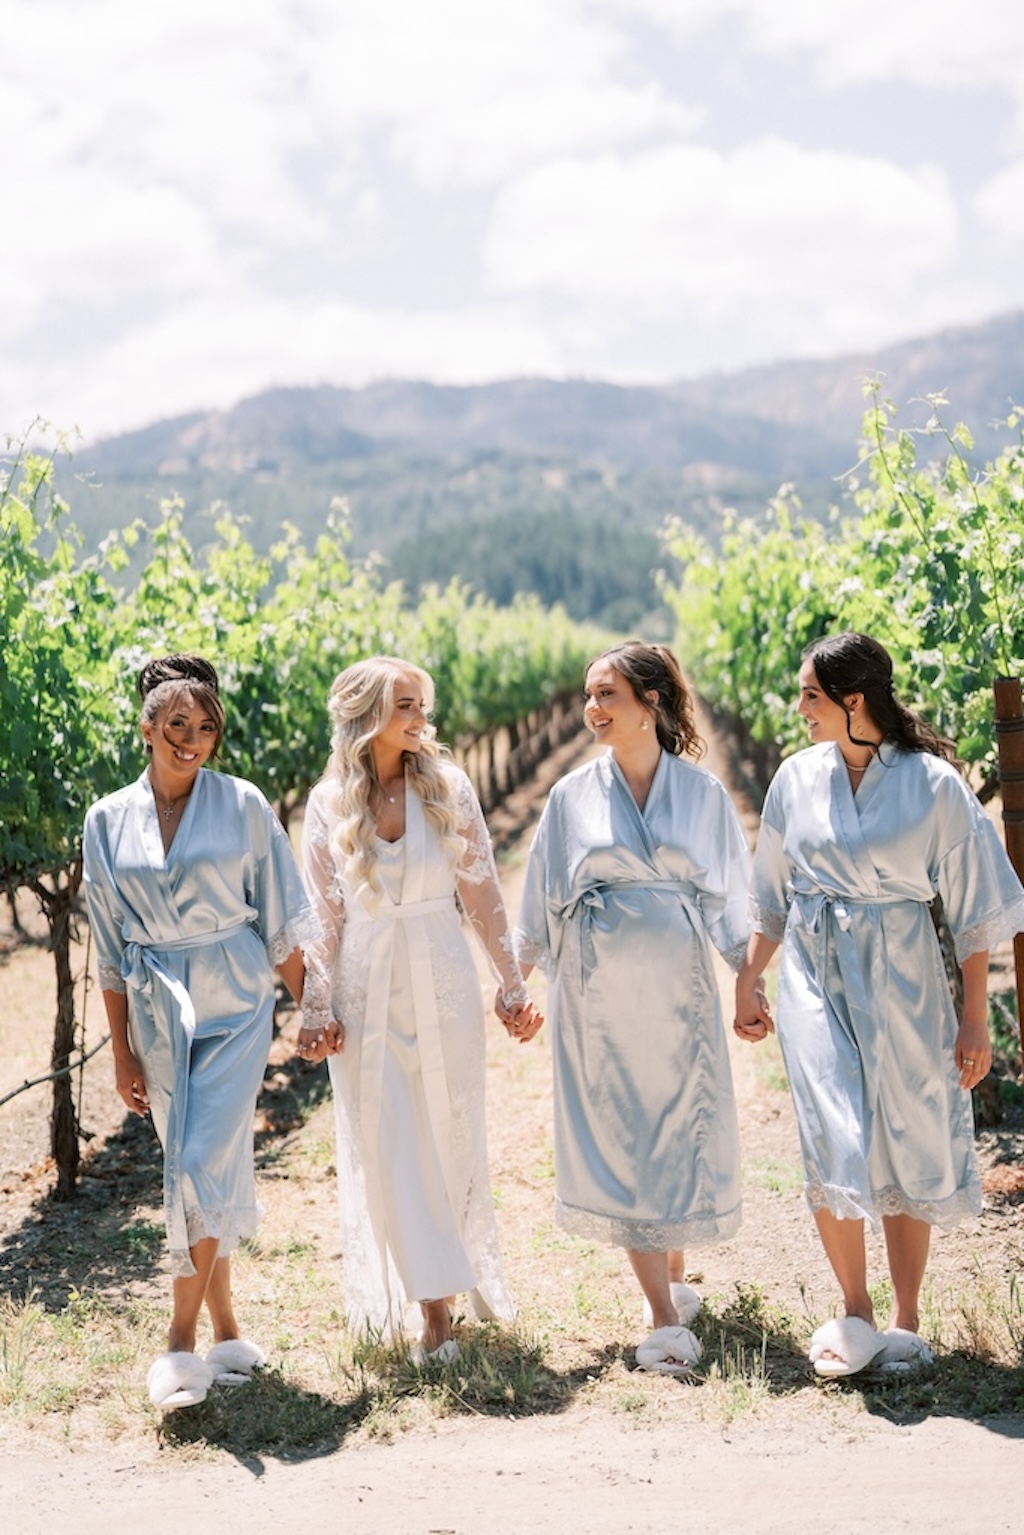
column 316, row 1000
column 297, row 932
column 764, row 920
column 995, row 929
column 528, row 952
column 849, row 1204
column 111, row 979
column 648, row 1236
column 736, row 957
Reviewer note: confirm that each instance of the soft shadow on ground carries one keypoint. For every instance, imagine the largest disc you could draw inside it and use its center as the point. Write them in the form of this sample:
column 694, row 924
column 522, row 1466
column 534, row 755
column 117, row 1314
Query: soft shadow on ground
column 111, row 1236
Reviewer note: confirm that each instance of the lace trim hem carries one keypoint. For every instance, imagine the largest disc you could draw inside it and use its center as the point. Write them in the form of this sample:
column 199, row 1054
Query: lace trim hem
column 764, row 920
column 231, row 1227
column 648, row 1236
column 850, row 1204
column 995, row 929
column 112, row 980
column 297, row 933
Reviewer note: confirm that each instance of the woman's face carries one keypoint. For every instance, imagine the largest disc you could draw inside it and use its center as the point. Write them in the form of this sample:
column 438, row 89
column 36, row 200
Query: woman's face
column 611, row 709
column 826, row 721
column 183, row 737
column 404, row 727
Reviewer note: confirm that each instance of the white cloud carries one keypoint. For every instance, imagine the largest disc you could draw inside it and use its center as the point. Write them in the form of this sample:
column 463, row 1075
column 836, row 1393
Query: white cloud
column 1000, row 204
column 771, row 224
column 211, row 352
column 931, row 42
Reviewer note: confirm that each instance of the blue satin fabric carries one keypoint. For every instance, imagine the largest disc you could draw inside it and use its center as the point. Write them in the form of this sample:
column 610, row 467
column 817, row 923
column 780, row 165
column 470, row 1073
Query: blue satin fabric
column 621, row 907
column 865, row 1018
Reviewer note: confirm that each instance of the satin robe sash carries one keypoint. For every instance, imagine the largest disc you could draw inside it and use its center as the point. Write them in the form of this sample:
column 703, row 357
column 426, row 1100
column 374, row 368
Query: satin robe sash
column 384, row 919
column 591, row 901
column 830, row 919
column 144, row 972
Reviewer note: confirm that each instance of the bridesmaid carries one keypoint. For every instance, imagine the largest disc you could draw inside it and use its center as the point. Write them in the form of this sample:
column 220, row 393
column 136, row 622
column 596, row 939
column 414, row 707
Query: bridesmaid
column 859, row 833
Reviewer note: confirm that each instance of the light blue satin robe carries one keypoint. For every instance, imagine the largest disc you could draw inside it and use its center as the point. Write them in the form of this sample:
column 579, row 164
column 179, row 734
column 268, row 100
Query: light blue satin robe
column 865, row 1018
column 620, row 909
column 191, row 936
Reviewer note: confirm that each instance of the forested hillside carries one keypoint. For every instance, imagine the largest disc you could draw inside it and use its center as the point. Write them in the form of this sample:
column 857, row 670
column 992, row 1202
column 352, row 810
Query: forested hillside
column 559, row 488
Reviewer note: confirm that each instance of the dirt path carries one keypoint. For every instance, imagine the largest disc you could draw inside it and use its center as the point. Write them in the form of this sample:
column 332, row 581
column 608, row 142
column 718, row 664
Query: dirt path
column 623, row 1452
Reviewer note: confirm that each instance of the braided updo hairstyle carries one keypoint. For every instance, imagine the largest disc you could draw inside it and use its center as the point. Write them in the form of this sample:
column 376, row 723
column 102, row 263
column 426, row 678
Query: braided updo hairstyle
column 855, row 663
column 169, row 680
column 654, row 669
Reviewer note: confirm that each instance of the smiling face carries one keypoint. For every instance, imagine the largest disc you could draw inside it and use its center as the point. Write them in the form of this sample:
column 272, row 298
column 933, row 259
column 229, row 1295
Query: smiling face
column 612, row 710
column 403, row 730
column 826, row 720
column 182, row 738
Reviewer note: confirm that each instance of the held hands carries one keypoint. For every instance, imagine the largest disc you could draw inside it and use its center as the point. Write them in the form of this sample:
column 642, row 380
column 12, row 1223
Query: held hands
column 317, row 1042
column 973, row 1052
column 753, row 1020
column 521, row 1020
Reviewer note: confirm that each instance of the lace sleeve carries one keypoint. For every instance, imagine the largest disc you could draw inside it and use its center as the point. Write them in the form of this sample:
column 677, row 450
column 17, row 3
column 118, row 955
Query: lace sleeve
column 764, row 920
column 321, row 878
column 480, row 894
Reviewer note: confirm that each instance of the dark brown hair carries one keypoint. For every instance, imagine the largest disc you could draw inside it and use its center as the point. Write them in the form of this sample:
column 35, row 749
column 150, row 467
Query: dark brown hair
column 855, row 663
column 654, row 669
column 167, row 679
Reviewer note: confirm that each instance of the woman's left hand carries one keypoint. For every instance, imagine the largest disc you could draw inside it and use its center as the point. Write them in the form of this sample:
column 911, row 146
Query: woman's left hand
column 973, row 1052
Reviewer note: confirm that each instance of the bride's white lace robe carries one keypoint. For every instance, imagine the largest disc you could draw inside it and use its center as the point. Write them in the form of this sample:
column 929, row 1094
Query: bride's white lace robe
column 394, row 966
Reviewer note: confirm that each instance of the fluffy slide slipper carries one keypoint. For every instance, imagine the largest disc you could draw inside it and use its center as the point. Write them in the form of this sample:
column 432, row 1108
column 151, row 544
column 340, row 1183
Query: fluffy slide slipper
column 686, row 1301
column 234, row 1360
column 851, row 1341
column 178, row 1380
column 446, row 1353
column 902, row 1353
column 669, row 1351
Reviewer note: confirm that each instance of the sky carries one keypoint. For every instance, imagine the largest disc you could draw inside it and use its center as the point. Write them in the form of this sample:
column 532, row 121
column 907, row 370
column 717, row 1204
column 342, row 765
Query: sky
column 203, row 199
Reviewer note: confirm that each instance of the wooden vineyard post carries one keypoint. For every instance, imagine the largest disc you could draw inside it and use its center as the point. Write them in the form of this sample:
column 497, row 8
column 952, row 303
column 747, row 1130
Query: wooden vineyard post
column 1010, row 740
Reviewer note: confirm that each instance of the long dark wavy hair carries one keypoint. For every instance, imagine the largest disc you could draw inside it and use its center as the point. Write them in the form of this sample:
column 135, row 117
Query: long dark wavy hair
column 855, row 663
column 654, row 669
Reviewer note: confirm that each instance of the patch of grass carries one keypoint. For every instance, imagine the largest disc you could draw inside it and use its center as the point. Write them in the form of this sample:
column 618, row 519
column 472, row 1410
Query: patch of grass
column 140, row 1239
column 779, row 1177
column 769, row 1069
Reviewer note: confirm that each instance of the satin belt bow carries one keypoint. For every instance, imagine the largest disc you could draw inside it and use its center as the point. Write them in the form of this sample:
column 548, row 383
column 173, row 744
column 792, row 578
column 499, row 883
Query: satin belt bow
column 591, row 901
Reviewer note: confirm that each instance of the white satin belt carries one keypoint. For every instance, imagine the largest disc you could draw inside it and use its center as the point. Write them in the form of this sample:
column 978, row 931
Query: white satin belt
column 402, row 911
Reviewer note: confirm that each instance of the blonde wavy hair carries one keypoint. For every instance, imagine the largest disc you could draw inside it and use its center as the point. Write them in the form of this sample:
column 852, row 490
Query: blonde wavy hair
column 360, row 704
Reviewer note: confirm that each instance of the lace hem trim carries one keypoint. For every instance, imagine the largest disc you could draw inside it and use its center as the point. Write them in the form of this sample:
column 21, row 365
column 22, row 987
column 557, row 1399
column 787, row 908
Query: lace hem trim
column 996, row 929
column 112, row 980
column 849, row 1204
column 297, row 932
column 648, row 1236
column 230, row 1227
column 764, row 920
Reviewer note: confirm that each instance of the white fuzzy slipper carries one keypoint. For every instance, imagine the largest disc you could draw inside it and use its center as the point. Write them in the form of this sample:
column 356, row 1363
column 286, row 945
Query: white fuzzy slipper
column 179, row 1379
column 686, row 1301
column 445, row 1353
column 234, row 1360
column 852, row 1343
column 669, row 1351
column 902, row 1353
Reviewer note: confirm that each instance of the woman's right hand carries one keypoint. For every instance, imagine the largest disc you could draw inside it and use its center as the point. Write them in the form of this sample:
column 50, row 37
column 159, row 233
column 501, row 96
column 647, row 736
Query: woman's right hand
column 753, row 1020
column 130, row 1083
